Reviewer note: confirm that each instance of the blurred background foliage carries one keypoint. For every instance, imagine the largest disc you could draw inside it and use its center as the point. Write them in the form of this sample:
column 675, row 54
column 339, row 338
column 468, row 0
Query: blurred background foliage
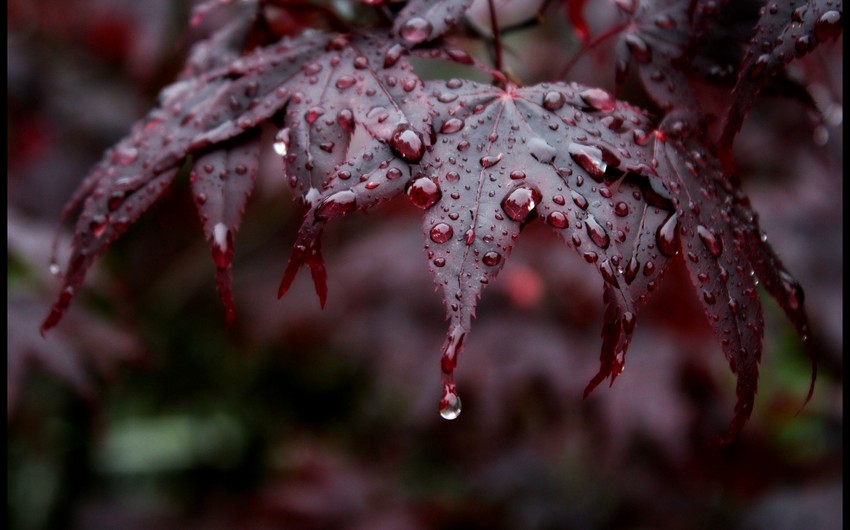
column 142, row 410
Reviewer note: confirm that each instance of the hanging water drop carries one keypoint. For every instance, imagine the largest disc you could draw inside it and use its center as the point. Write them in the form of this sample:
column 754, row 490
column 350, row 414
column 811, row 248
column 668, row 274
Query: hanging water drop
column 450, row 405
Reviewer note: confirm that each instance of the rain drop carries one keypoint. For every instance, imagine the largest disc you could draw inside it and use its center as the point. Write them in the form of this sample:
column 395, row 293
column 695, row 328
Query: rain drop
column 441, row 233
column 621, row 209
column 590, row 159
column 407, row 143
column 393, row 55
column 520, row 202
column 828, row 26
column 553, row 100
column 490, row 161
column 598, row 99
column 491, row 259
column 337, row 205
column 597, row 234
column 638, row 48
column 451, row 126
column 424, row 192
column 416, row 30
column 667, row 236
column 346, row 81
column 450, row 404
column 711, row 242
column 558, row 220
column 541, row 150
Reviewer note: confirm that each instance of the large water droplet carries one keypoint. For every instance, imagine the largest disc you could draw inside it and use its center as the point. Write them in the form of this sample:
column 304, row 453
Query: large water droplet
column 337, row 205
column 281, row 142
column 590, row 159
column 621, row 209
column 490, row 161
column 579, row 199
column 520, row 202
column 441, row 233
column 393, row 55
column 828, row 25
column 345, row 81
column 424, row 192
column 407, row 143
column 451, row 126
column 491, row 258
column 598, row 99
column 667, row 236
column 553, row 100
column 597, row 234
column 450, row 405
column 416, row 30
column 558, row 220
column 711, row 242
column 632, row 269
column 313, row 114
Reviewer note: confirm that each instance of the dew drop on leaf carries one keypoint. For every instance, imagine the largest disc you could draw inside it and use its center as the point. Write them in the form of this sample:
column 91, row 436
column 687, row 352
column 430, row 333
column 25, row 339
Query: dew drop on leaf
column 345, row 81
column 638, row 48
column 711, row 242
column 491, row 258
column 416, row 30
column 553, row 100
column 596, row 233
column 392, row 55
column 667, row 236
column 424, row 192
column 520, row 202
column 598, row 99
column 490, row 161
column 407, row 144
column 590, row 159
column 828, row 25
column 441, row 233
column 337, row 205
column 451, row 126
column 222, row 249
column 558, row 220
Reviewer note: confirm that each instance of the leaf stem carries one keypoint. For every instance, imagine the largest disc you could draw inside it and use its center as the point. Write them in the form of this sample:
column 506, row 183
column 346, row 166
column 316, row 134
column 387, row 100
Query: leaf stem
column 587, row 47
column 497, row 41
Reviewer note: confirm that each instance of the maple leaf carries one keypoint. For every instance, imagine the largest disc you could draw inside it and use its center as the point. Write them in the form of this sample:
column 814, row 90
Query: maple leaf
column 724, row 252
column 786, row 31
column 564, row 153
column 424, row 20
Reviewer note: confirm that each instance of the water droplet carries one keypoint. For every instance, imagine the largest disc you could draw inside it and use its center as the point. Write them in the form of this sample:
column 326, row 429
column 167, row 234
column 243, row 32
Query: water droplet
column 632, row 269
column 439, row 262
column 579, row 199
column 558, row 220
column 621, row 209
column 490, row 161
column 452, row 176
column 98, row 225
column 126, row 155
column 407, row 143
column 590, row 257
column 424, row 192
column 393, row 173
column 803, row 44
column 337, row 205
column 450, row 405
column 638, row 48
column 491, row 258
column 451, row 126
column 345, row 81
column 648, row 268
column 598, row 99
column 311, row 68
column 597, row 234
column 793, row 291
column 667, row 236
column 520, row 202
column 441, row 233
column 711, row 242
column 281, row 142
column 629, row 321
column 393, row 55
column 416, row 30
column 222, row 249
column 553, row 100
column 828, row 26
column 708, row 297
column 361, row 62
column 590, row 159
column 665, row 21
column 313, row 114
column 608, row 273
column 541, row 150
